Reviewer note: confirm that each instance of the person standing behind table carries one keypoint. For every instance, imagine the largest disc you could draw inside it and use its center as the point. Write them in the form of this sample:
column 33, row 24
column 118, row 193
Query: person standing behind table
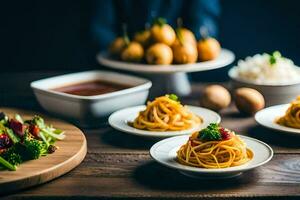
column 109, row 15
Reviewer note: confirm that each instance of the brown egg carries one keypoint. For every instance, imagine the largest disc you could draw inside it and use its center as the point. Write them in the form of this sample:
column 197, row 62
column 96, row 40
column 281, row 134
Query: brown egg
column 134, row 52
column 143, row 37
column 184, row 53
column 248, row 100
column 117, row 46
column 215, row 97
column 208, row 49
column 159, row 54
column 163, row 33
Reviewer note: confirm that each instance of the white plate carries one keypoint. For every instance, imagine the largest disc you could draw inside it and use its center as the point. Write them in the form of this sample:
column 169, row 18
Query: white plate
column 267, row 116
column 119, row 121
column 225, row 58
column 165, row 152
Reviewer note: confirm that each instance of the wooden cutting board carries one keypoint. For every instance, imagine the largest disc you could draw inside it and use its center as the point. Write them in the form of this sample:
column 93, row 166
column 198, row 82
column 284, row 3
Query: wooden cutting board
column 70, row 153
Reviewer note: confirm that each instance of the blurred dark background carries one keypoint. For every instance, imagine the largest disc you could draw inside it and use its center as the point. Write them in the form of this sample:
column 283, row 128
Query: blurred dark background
column 56, row 35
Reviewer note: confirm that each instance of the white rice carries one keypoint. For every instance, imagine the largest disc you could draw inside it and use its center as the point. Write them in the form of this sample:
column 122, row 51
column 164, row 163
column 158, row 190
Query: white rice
column 259, row 69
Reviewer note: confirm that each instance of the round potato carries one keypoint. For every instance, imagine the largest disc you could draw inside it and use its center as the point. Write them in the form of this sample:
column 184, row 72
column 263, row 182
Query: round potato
column 184, row 53
column 187, row 36
column 208, row 49
column 159, row 54
column 215, row 97
column 248, row 100
column 143, row 37
column 134, row 52
column 163, row 33
column 117, row 46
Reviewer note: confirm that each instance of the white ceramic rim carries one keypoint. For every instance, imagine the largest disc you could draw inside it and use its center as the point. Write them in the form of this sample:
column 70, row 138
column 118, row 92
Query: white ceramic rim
column 186, row 168
column 233, row 75
column 121, row 123
column 145, row 85
column 225, row 58
column 271, row 119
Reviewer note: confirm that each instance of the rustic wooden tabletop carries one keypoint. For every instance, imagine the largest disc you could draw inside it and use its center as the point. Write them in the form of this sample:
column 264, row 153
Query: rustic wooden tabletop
column 119, row 165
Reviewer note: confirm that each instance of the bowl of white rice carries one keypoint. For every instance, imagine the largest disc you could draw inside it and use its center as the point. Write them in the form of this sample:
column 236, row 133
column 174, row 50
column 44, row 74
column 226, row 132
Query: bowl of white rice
column 276, row 77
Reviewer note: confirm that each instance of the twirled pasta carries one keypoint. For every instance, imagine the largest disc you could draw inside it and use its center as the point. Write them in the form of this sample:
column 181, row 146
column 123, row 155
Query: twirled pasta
column 292, row 115
column 166, row 114
column 214, row 154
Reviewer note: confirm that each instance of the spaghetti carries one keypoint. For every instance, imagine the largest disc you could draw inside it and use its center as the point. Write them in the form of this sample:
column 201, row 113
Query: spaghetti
column 217, row 151
column 166, row 113
column 292, row 115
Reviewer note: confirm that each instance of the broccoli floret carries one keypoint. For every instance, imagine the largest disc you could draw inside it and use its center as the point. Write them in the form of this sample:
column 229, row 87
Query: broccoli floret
column 34, row 149
column 13, row 155
column 13, row 158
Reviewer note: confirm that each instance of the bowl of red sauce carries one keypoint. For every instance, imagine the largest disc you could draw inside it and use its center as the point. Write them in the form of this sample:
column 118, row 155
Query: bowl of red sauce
column 87, row 98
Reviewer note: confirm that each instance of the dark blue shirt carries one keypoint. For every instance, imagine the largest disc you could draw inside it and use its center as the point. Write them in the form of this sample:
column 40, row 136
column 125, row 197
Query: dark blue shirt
column 111, row 14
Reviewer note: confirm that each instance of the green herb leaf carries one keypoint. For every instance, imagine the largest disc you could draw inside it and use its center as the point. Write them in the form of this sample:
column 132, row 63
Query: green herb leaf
column 160, row 21
column 174, row 97
column 19, row 118
column 273, row 58
column 14, row 138
column 210, row 133
column 179, row 36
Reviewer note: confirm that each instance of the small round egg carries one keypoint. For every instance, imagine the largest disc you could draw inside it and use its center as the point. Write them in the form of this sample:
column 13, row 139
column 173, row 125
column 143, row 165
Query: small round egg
column 248, row 100
column 215, row 97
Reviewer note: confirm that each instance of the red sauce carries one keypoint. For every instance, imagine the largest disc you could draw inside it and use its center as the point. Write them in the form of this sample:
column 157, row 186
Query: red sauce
column 91, row 88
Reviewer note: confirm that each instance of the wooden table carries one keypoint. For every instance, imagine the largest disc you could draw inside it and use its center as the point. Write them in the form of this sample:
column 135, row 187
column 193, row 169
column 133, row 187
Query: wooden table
column 119, row 166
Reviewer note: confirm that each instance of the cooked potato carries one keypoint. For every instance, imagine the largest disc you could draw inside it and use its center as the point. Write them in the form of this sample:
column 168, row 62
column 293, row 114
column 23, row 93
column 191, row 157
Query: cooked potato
column 184, row 53
column 187, row 36
column 208, row 49
column 161, row 32
column 143, row 37
column 117, row 46
column 215, row 97
column 248, row 100
column 134, row 52
column 160, row 54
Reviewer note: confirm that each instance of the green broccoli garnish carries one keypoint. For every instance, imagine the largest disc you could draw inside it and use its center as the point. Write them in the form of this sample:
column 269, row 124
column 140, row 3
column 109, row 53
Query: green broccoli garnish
column 210, row 133
column 13, row 156
column 34, row 149
column 173, row 97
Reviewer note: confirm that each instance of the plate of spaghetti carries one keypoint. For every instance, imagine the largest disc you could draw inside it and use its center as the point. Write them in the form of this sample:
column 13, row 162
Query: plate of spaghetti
column 213, row 152
column 165, row 116
column 287, row 118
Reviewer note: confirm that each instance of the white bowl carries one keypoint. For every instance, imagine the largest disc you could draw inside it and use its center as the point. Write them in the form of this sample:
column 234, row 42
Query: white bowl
column 273, row 93
column 90, row 110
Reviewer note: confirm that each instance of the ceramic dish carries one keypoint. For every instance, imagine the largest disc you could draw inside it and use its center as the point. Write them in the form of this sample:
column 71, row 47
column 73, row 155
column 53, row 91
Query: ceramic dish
column 89, row 110
column 267, row 116
column 164, row 152
column 273, row 93
column 119, row 121
column 226, row 57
